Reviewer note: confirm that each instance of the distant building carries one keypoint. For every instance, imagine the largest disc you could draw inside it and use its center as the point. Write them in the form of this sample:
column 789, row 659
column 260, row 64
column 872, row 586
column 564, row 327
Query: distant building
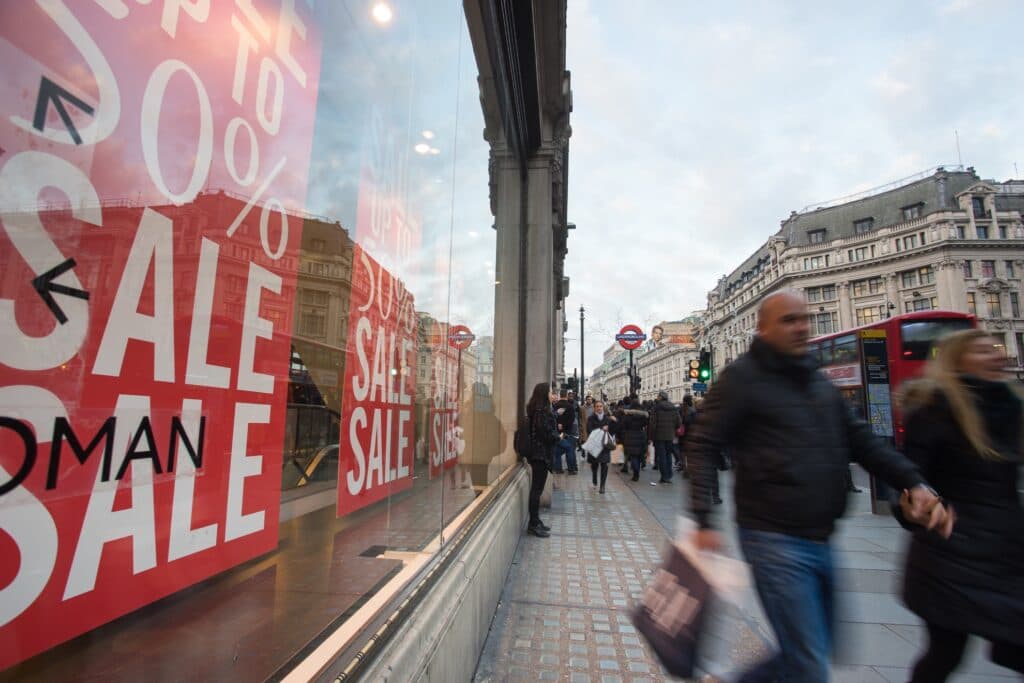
column 946, row 240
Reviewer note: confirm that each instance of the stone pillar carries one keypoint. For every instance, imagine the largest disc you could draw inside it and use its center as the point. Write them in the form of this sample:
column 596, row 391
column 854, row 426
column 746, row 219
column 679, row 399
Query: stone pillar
column 540, row 335
column 845, row 307
column 990, row 206
column 951, row 289
column 505, row 202
column 892, row 296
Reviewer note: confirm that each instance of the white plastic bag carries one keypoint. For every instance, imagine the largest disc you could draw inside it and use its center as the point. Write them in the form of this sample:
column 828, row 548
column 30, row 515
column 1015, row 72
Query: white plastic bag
column 729, row 578
column 594, row 443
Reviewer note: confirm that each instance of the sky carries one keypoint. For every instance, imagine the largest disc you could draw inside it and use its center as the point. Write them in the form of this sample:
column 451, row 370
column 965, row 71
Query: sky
column 698, row 127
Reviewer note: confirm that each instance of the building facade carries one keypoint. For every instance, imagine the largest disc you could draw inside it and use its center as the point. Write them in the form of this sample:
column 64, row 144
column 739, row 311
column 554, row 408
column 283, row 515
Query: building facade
column 662, row 364
column 943, row 240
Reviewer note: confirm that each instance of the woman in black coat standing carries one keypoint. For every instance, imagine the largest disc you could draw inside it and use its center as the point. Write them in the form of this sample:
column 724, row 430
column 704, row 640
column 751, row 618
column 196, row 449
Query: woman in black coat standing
column 543, row 435
column 963, row 429
column 600, row 419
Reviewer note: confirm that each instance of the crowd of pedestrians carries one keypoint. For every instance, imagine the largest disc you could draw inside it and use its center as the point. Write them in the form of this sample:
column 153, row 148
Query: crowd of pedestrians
column 790, row 437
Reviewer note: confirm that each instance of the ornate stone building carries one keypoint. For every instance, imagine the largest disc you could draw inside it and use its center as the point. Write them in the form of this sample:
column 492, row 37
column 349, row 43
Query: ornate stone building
column 942, row 240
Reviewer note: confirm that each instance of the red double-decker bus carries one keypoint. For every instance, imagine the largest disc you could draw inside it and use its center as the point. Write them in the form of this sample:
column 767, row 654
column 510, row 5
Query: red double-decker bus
column 869, row 364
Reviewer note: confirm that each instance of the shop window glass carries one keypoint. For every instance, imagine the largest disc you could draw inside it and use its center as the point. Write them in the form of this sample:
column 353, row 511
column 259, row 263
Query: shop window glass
column 288, row 318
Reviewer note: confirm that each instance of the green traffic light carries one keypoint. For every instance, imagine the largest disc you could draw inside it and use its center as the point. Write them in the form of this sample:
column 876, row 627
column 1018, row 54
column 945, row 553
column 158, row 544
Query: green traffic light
column 705, row 373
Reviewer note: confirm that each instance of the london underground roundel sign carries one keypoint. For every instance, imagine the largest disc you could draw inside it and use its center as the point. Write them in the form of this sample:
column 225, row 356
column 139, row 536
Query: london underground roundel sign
column 460, row 337
column 630, row 337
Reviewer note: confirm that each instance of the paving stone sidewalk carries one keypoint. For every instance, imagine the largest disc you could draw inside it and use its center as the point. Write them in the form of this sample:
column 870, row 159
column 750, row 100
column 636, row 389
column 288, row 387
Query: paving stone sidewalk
column 564, row 614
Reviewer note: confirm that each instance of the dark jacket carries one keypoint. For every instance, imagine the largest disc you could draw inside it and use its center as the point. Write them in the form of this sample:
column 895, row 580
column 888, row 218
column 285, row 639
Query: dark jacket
column 791, row 436
column 568, row 417
column 974, row 581
column 633, row 431
column 594, row 423
column 543, row 433
column 664, row 421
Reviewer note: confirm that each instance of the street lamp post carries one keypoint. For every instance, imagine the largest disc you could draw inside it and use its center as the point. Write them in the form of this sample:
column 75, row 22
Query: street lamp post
column 583, row 373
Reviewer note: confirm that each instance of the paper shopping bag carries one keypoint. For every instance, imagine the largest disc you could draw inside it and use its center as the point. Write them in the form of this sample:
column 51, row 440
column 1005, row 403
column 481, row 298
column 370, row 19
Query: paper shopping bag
column 673, row 610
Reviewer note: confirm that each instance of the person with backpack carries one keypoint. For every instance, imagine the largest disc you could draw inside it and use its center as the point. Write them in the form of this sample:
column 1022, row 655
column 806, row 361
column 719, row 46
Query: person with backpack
column 633, row 429
column 543, row 434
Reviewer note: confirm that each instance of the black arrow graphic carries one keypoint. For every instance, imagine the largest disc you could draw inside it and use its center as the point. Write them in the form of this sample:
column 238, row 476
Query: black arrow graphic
column 45, row 284
column 51, row 92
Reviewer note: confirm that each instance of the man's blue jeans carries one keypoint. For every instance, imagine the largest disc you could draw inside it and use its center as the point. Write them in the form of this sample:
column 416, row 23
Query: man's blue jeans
column 663, row 455
column 566, row 446
column 795, row 582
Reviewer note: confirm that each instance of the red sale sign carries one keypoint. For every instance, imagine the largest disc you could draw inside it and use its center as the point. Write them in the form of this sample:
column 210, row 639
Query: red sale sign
column 379, row 388
column 149, row 187
column 445, row 443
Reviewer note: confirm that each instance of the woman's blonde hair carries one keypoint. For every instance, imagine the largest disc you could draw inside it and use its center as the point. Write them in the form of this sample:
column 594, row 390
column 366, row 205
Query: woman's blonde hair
column 943, row 376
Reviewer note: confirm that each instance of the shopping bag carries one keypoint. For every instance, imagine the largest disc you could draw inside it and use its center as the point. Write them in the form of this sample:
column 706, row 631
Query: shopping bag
column 673, row 610
column 594, row 443
column 617, row 455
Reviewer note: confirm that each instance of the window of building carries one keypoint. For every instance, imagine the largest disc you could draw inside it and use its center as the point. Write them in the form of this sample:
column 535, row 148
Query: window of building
column 318, row 245
column 1000, row 342
column 815, row 262
column 921, row 303
column 858, row 254
column 960, row 233
column 982, row 231
column 1020, row 347
column 870, row 314
column 872, row 285
column 1002, row 232
column 863, row 225
column 968, row 270
column 816, row 236
column 978, row 206
column 828, row 293
column 926, row 275
column 910, row 241
column 824, row 323
column 972, row 306
column 312, row 322
column 908, row 278
column 988, row 268
column 995, row 307
column 1009, row 269
column 913, row 211
column 1015, row 304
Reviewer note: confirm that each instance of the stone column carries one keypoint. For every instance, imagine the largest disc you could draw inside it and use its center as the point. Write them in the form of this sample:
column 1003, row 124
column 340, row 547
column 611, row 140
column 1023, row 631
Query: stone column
column 540, row 335
column 505, row 203
column 951, row 289
column 990, row 206
column 892, row 296
column 845, row 306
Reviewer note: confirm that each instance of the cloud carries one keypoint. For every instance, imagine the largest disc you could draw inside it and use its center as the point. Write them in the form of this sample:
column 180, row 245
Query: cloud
column 889, row 86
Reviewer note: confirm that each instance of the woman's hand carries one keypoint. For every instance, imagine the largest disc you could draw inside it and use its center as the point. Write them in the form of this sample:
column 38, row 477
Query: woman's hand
column 605, row 428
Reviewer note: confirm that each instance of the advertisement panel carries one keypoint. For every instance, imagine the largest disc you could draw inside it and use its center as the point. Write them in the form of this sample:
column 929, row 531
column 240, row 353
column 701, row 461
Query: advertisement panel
column 150, row 191
column 378, row 389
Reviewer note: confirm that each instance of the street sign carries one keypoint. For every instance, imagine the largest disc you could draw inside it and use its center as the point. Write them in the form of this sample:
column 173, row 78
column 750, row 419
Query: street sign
column 459, row 337
column 699, row 386
column 630, row 337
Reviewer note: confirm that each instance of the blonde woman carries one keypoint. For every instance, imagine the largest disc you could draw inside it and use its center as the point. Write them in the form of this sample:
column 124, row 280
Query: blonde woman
column 963, row 425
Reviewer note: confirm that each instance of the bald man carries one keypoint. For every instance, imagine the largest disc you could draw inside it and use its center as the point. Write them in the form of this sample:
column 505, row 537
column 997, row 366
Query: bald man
column 791, row 436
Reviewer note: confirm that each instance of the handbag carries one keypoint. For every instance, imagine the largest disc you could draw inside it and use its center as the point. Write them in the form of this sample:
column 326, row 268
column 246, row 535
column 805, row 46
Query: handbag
column 681, row 431
column 673, row 610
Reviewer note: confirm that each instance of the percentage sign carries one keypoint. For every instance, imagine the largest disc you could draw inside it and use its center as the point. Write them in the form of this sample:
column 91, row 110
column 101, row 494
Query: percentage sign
column 270, row 204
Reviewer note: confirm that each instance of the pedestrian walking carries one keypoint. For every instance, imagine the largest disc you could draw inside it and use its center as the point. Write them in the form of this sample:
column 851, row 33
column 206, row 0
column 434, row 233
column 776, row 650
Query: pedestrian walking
column 543, row 435
column 791, row 436
column 633, row 434
column 605, row 422
column 665, row 421
column 687, row 416
column 963, row 429
column 567, row 419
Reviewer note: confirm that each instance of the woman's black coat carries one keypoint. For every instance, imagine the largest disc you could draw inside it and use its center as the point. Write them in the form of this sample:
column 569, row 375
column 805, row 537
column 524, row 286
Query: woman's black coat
column 543, row 433
column 593, row 423
column 974, row 581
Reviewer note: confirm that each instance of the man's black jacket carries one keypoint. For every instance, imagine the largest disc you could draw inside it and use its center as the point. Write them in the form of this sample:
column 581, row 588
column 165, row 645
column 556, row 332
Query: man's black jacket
column 791, row 436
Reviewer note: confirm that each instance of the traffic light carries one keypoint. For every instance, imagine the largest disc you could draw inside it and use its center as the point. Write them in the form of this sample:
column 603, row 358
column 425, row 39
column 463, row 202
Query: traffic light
column 694, row 370
column 704, row 366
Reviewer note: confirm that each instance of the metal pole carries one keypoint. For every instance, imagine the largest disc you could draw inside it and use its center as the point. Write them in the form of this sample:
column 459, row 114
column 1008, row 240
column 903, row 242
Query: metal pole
column 583, row 373
column 630, row 393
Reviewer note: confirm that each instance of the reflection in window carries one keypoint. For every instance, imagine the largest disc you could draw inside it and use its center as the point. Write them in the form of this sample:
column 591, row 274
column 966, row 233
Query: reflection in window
column 972, row 306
